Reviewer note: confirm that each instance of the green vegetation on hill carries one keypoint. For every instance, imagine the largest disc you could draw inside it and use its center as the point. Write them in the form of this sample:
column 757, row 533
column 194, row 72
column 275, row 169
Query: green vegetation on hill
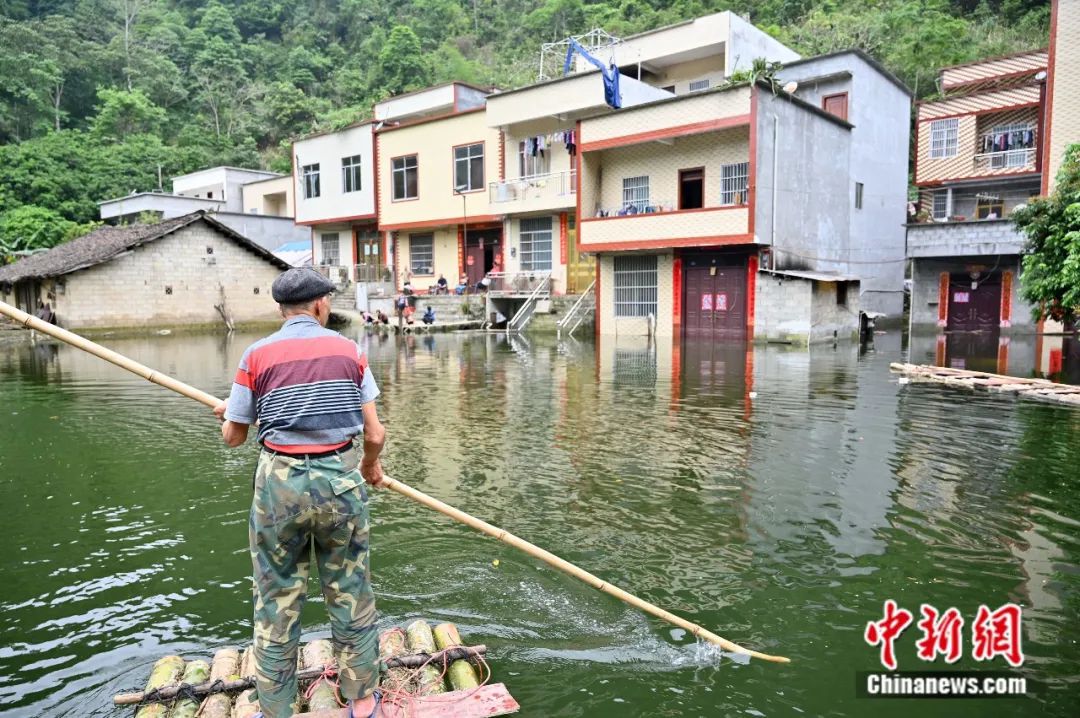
column 97, row 97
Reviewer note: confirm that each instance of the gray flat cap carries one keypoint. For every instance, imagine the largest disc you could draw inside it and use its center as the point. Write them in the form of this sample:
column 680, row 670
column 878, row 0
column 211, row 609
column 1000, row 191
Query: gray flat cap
column 300, row 284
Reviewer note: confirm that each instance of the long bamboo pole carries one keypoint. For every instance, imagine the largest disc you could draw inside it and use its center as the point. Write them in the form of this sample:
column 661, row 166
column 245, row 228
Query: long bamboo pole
column 506, row 537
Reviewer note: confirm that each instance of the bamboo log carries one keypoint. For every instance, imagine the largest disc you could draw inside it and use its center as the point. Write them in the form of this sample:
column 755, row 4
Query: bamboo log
column 225, row 667
column 195, row 673
column 165, row 673
column 321, row 695
column 246, row 706
column 391, row 646
column 247, row 663
column 397, row 662
column 422, row 641
column 407, row 491
column 461, row 674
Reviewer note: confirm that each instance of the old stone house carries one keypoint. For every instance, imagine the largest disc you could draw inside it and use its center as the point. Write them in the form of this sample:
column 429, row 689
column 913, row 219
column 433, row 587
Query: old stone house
column 188, row 270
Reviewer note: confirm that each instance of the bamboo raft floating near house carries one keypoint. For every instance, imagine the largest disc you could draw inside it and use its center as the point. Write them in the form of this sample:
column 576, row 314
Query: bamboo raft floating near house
column 1038, row 389
column 424, row 673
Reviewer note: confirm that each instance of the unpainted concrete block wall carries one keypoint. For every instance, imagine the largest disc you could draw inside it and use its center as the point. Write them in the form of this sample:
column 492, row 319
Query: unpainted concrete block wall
column 926, row 274
column 131, row 289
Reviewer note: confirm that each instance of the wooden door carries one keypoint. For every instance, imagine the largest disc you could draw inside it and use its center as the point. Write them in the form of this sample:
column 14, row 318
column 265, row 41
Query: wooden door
column 474, row 263
column 974, row 305
column 580, row 270
column 369, row 257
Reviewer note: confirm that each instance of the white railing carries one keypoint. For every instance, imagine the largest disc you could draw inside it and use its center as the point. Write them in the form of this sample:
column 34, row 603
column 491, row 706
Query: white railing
column 516, row 283
column 1017, row 158
column 371, row 273
column 523, row 189
column 635, row 208
column 336, row 273
column 576, row 315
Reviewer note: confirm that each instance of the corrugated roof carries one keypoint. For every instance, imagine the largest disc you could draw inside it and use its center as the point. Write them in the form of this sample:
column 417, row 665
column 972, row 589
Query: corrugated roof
column 106, row 243
column 816, row 276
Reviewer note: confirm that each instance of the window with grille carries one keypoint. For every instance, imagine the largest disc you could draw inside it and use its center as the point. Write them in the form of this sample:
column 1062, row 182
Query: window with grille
column 943, row 138
column 469, row 167
column 734, row 183
column 422, row 253
column 635, row 286
column 941, row 204
column 696, row 85
column 532, row 161
column 330, row 249
column 405, row 177
column 310, row 176
column 635, row 192
column 350, row 174
column 536, row 244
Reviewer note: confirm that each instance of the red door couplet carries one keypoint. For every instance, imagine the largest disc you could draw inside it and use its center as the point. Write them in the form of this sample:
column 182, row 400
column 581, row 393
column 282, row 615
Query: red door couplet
column 715, row 298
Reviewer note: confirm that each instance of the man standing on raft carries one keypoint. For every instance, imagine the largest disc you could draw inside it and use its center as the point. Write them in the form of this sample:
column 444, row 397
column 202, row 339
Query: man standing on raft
column 310, row 391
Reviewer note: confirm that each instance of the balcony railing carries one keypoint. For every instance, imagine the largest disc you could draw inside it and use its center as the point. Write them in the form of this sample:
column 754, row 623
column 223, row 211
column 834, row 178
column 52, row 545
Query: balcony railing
column 516, row 283
column 343, row 273
column 536, row 187
column 1018, row 159
column 650, row 206
column 336, row 273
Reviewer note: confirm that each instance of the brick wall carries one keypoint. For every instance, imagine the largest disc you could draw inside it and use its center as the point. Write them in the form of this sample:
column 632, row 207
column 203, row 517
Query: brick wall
column 789, row 309
column 1065, row 111
column 661, row 164
column 131, row 290
column 688, row 110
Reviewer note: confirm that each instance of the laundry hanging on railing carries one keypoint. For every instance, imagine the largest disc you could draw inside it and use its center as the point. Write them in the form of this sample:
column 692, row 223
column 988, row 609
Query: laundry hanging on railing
column 1008, row 141
column 539, row 144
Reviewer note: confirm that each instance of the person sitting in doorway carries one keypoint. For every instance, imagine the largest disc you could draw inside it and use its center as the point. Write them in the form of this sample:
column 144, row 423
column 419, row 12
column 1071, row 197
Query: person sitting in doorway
column 441, row 286
column 429, row 316
column 462, row 285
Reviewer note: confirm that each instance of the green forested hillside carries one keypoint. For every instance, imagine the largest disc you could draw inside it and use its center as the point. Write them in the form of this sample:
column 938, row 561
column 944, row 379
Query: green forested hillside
column 97, row 95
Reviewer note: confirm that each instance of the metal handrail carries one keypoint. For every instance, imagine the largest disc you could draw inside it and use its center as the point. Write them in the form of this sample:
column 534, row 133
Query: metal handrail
column 565, row 321
column 532, row 298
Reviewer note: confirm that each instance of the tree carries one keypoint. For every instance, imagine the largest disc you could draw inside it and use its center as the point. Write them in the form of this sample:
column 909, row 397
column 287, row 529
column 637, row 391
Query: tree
column 1050, row 278
column 31, row 227
column 402, row 65
column 122, row 114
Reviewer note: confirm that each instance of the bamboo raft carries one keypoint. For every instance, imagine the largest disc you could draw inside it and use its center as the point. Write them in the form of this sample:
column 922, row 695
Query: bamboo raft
column 425, row 672
column 1037, row 389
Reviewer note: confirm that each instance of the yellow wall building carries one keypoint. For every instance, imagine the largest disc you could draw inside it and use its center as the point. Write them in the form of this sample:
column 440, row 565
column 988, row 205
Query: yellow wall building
column 433, row 174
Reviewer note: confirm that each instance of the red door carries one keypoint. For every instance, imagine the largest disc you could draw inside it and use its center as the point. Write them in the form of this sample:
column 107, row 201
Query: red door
column 714, row 300
column 474, row 264
column 974, row 305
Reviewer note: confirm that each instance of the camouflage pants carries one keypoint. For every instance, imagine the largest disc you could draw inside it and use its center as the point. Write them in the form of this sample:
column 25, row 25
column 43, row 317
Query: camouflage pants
column 299, row 503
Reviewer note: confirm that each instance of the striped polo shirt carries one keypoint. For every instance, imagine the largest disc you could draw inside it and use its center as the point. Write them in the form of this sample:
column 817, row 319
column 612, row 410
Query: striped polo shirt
column 304, row 385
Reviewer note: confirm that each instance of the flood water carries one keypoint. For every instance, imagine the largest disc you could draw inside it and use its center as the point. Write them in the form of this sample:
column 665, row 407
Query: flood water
column 776, row 497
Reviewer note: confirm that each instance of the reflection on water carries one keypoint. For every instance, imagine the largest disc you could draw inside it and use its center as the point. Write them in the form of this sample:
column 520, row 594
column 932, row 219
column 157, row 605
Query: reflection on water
column 1049, row 356
column 775, row 496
